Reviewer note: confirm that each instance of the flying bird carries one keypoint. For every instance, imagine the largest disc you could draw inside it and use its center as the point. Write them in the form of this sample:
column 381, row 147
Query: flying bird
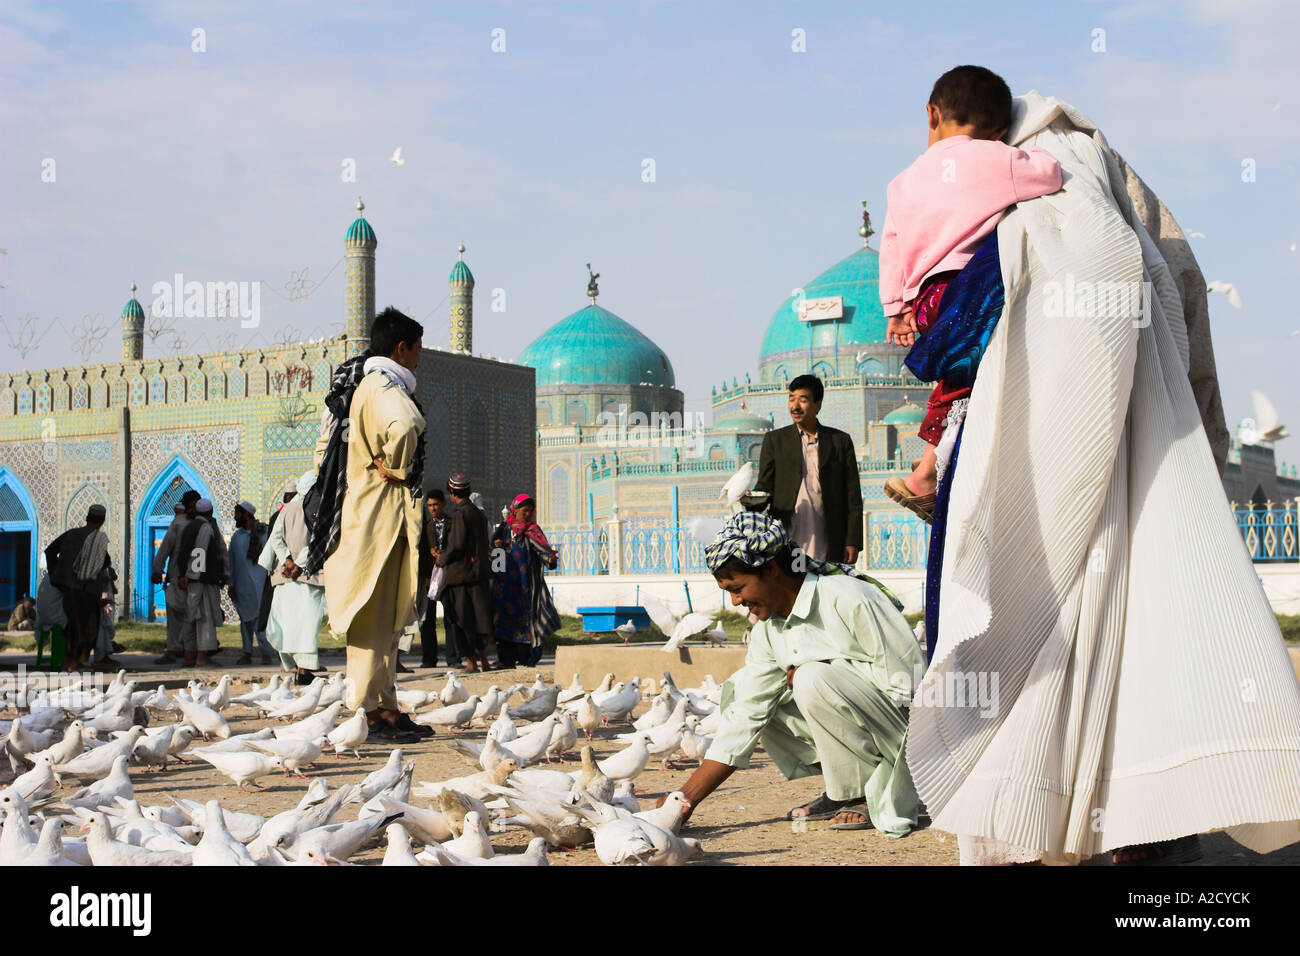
column 1268, row 427
column 397, row 159
column 1228, row 289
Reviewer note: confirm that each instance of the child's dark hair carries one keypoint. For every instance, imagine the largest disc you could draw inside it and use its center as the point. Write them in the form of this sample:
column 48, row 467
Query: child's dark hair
column 810, row 382
column 974, row 96
column 391, row 327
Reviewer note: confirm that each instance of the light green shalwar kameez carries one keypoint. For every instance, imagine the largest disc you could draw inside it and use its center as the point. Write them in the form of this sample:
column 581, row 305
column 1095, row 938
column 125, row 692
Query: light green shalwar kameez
column 846, row 716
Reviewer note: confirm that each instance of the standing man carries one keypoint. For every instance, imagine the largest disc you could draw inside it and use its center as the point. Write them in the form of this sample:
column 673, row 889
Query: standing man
column 206, row 569
column 168, row 559
column 467, row 576
column 78, row 564
column 248, row 580
column 810, row 470
column 435, row 539
column 372, row 577
column 289, row 491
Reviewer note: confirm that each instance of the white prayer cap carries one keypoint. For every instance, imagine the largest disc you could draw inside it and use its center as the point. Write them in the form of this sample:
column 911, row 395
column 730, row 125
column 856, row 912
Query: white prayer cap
column 203, row 506
column 291, row 486
column 178, row 508
column 247, row 506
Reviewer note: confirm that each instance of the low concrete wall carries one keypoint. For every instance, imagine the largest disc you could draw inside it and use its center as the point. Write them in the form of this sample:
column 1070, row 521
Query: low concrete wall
column 688, row 665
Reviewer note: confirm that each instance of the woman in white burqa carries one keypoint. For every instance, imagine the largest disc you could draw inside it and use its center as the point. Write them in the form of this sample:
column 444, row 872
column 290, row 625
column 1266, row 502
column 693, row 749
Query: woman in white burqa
column 1091, row 562
column 298, row 598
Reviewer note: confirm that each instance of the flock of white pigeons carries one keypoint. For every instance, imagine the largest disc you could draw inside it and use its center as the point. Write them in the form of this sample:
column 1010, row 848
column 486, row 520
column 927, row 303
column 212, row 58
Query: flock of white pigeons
column 99, row 738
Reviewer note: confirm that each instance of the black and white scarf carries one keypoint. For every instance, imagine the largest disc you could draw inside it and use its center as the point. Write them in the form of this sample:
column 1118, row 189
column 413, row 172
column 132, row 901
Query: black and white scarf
column 322, row 506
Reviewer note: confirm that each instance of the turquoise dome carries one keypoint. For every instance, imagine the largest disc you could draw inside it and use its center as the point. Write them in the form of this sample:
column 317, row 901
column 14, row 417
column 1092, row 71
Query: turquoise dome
column 907, row 414
column 132, row 310
column 743, row 422
column 460, row 272
column 857, row 279
column 360, row 231
column 593, row 346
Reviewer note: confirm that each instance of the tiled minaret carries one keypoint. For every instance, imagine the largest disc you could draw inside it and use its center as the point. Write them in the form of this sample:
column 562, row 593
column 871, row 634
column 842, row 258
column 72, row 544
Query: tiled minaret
column 360, row 244
column 132, row 328
column 462, row 304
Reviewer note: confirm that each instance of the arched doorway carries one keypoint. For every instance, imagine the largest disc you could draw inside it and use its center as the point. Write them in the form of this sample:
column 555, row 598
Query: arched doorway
column 19, row 542
column 155, row 513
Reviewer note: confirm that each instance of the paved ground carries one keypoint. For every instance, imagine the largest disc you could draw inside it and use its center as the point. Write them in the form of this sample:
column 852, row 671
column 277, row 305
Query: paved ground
column 742, row 823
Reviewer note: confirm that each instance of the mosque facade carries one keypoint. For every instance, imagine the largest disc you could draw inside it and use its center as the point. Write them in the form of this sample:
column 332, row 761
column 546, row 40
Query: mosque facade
column 135, row 435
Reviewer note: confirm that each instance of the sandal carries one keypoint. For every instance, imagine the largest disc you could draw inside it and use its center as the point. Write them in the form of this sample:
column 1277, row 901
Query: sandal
column 1180, row 852
column 823, row 808
column 861, row 810
column 920, row 505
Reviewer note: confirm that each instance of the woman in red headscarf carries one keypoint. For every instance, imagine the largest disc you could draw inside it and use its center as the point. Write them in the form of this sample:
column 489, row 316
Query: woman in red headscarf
column 526, row 614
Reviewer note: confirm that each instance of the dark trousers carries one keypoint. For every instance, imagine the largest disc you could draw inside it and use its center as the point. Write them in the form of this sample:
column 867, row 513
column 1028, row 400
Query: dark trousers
column 429, row 638
column 83, row 610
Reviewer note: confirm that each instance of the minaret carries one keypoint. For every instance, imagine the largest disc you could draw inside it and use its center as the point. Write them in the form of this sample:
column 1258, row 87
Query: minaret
column 462, row 304
column 360, row 244
column 132, row 329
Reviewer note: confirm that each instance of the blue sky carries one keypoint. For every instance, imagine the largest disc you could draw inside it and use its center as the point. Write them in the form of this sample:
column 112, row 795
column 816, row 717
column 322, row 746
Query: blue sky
column 225, row 165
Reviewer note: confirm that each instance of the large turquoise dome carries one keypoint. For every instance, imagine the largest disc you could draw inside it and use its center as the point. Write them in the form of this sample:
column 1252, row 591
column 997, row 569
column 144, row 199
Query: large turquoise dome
column 790, row 341
column 593, row 346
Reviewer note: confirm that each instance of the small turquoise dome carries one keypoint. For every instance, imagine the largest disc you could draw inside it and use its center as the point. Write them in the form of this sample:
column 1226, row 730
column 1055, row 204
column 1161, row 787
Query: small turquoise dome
column 743, row 422
column 906, row 414
column 360, row 231
column 132, row 310
column 857, row 279
column 460, row 272
column 593, row 346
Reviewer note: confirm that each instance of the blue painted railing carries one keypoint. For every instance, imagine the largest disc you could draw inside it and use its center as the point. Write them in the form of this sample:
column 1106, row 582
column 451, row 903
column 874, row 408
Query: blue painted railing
column 1270, row 534
column 582, row 551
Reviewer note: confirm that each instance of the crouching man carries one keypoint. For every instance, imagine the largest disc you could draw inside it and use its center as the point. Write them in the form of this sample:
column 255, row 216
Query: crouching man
column 826, row 682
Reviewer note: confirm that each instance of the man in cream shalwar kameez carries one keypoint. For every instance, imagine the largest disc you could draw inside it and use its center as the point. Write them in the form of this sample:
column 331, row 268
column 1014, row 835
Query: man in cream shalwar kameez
column 370, row 580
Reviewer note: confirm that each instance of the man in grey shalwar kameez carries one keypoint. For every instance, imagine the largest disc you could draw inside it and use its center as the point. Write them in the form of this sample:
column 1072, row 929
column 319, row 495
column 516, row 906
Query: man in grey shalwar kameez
column 168, row 557
column 206, row 570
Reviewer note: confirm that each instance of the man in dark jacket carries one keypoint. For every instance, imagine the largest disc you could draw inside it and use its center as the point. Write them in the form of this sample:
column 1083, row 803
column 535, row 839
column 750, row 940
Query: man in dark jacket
column 467, row 576
column 78, row 565
column 436, row 526
column 810, row 470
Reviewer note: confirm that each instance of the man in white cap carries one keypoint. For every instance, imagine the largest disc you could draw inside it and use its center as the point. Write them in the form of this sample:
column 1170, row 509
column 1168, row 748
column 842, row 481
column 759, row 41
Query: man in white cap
column 204, row 570
column 247, row 579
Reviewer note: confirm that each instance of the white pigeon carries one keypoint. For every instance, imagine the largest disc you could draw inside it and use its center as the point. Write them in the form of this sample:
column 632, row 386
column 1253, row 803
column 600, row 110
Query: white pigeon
column 296, row 752
column 539, row 707
column 384, row 777
column 453, row 692
column 557, row 823
column 98, row 762
column 159, row 701
column 48, row 849
column 302, row 706
column 530, row 747
column 104, row 792
column 424, row 824
column 711, row 723
column 669, row 815
column 588, row 715
column 535, row 855
column 67, row 748
column 335, row 842
column 350, row 734
column 628, row 763
column 625, row 797
column 474, row 785
column 38, row 784
column 473, row 842
column 659, row 711
column 737, row 486
column 397, row 159
column 104, row 850
column 704, row 529
column 206, row 721
column 413, row 699
column 1228, row 289
column 116, row 716
column 503, row 728
column 1268, row 427
column 218, row 846
column 219, row 699
column 336, row 689
column 490, row 703
column 563, row 738
column 677, row 630
column 399, row 852
column 634, row 841
column 244, row 768
column 574, row 691
column 257, row 694
column 453, row 716
column 695, row 745
column 152, row 749
column 716, row 637
column 620, row 706
column 314, row 727
column 244, row 827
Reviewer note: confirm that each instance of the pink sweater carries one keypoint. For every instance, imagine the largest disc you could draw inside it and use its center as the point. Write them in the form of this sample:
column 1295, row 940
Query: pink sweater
column 942, row 205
